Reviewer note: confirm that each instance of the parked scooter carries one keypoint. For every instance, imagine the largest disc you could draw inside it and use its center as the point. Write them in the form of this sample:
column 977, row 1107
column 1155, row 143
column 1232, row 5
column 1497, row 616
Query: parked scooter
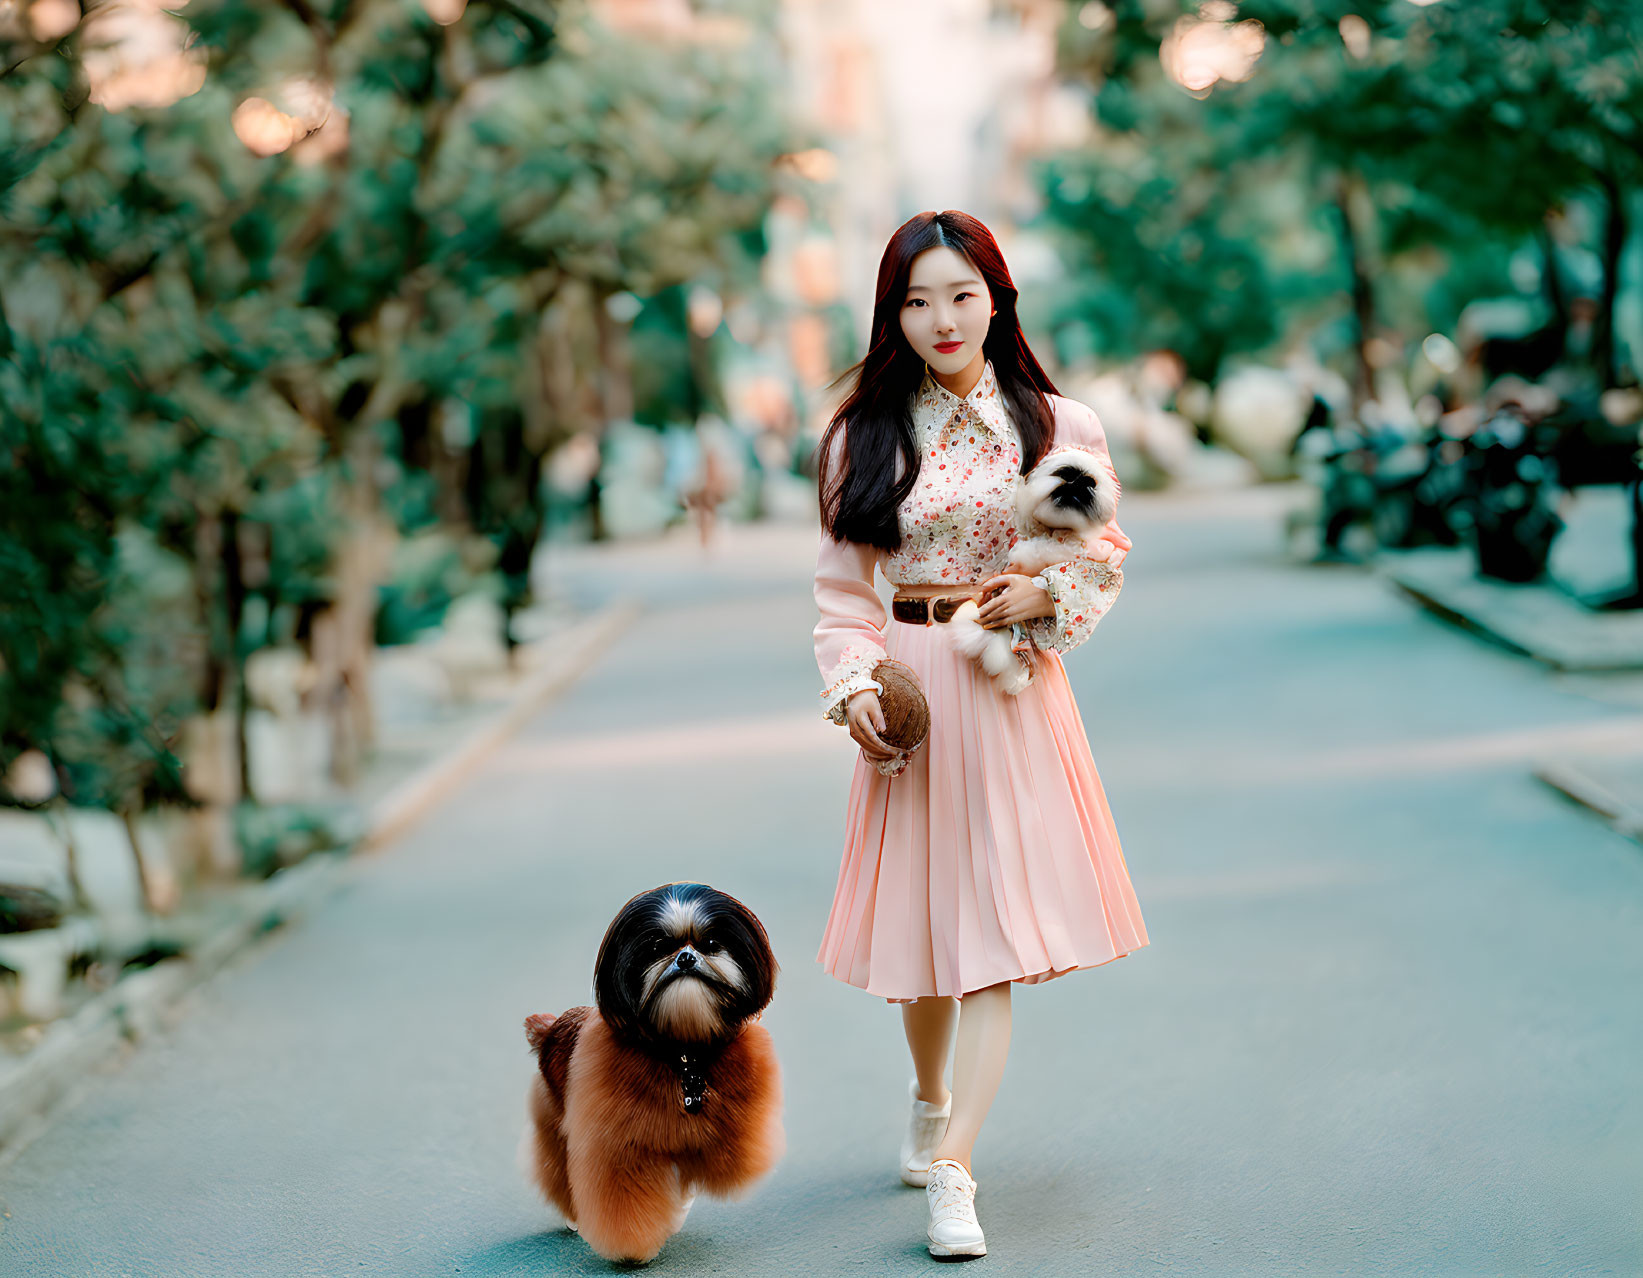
column 1419, row 491
column 1406, row 490
column 1511, row 495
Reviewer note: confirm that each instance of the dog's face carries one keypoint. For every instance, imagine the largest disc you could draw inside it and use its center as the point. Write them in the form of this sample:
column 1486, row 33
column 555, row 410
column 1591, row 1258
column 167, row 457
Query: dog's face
column 1073, row 497
column 1068, row 489
column 683, row 963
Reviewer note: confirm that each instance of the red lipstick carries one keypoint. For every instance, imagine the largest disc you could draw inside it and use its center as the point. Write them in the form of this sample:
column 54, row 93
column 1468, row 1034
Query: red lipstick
column 947, row 348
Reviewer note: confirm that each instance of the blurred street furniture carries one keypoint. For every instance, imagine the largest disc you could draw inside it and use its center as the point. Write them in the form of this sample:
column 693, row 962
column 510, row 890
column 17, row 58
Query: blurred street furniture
column 468, row 646
column 1153, row 444
column 1605, row 447
column 1493, row 474
column 1403, row 486
column 1258, row 412
column 25, row 907
column 1511, row 493
column 1150, row 446
column 634, row 497
column 1532, row 448
column 1405, row 489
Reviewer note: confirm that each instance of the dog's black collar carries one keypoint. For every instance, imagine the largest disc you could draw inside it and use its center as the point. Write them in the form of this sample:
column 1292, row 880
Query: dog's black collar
column 692, row 1069
column 689, row 1064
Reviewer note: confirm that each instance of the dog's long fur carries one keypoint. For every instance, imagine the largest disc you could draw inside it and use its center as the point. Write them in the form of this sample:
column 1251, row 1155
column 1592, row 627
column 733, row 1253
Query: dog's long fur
column 1067, row 499
column 606, row 1120
column 608, row 1141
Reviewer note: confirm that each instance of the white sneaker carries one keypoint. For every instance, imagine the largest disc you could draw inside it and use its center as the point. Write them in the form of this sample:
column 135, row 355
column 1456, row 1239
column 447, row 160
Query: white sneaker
column 926, row 1125
column 951, row 1193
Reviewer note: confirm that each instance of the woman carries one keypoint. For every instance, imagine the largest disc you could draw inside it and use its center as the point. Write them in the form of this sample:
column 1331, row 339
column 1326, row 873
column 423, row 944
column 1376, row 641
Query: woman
column 987, row 858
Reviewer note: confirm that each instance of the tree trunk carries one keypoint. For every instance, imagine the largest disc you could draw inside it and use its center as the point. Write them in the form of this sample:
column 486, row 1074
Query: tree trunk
column 128, row 818
column 1614, row 244
column 343, row 642
column 1362, row 285
column 210, row 747
column 234, row 615
column 703, row 376
column 211, row 777
column 1635, row 491
column 615, row 388
column 206, row 561
column 615, row 368
column 58, row 815
column 344, row 635
column 1552, row 279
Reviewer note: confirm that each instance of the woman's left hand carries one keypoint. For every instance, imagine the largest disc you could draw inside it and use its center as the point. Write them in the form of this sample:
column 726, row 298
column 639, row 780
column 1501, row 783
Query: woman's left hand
column 1107, row 552
column 1017, row 599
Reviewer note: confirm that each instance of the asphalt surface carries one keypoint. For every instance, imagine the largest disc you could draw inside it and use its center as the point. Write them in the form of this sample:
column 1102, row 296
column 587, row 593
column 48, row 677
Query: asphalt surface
column 1388, row 1022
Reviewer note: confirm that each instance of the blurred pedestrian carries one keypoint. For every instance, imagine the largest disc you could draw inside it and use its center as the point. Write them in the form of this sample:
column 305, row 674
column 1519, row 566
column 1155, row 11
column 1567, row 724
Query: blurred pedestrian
column 716, row 479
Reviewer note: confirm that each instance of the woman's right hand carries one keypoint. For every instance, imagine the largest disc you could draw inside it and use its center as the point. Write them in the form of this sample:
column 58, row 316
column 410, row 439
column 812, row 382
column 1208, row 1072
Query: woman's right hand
column 865, row 718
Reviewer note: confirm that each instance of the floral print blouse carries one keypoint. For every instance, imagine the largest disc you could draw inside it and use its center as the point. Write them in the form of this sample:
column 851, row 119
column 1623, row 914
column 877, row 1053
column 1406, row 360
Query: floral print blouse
column 957, row 524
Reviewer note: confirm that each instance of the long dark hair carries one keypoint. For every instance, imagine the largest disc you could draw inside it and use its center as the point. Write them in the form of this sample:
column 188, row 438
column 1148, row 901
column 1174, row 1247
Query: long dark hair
column 859, row 499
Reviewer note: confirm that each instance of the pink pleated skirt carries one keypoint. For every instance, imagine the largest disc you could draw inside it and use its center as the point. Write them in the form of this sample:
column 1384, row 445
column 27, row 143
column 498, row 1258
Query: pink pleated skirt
column 992, row 857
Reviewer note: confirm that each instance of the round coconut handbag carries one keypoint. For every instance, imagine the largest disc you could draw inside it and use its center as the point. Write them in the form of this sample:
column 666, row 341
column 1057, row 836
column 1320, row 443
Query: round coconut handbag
column 906, row 713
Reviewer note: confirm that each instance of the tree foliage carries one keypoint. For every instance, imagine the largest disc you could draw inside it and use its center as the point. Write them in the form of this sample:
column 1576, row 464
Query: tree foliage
column 231, row 364
column 1421, row 139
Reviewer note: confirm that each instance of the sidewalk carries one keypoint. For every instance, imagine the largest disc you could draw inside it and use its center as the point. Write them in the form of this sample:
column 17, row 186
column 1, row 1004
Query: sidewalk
column 1536, row 619
column 428, row 744
column 1601, row 652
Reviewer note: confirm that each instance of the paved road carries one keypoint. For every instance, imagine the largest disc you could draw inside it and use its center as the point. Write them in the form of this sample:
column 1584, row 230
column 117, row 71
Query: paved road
column 1388, row 1022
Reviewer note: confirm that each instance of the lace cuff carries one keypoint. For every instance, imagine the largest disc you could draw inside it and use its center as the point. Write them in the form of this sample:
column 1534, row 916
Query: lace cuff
column 1083, row 589
column 853, row 673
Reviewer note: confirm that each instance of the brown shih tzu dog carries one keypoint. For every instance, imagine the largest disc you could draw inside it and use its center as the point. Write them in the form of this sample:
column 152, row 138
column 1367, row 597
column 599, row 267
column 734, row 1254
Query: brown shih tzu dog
column 668, row 1086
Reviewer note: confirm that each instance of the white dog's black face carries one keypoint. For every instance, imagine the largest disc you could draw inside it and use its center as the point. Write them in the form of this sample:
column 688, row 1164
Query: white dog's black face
column 1069, row 488
column 683, row 963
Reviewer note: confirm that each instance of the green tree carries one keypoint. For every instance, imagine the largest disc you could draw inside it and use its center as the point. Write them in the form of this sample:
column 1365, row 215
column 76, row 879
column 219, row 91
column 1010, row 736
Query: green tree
column 220, row 348
column 1454, row 127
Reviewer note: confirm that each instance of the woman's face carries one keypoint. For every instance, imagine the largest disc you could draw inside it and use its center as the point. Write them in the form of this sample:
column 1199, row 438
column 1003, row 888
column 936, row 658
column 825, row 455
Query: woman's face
column 947, row 311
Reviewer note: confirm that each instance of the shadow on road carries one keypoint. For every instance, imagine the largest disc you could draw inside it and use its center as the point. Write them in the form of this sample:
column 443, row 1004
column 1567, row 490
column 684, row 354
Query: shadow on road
column 561, row 1251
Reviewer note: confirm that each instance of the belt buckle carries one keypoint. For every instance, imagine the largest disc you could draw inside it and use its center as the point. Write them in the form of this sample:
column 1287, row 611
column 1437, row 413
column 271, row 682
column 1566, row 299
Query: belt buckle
column 926, row 610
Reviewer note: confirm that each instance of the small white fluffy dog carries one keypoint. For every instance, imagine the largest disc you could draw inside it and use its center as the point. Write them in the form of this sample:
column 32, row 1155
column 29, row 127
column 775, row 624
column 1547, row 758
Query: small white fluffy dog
column 1061, row 504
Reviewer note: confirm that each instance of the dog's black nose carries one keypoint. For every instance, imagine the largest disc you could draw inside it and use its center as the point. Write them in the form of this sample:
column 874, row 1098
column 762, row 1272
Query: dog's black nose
column 686, row 958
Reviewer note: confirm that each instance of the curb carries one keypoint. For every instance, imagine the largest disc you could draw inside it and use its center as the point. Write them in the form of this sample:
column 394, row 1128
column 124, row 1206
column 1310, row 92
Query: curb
column 33, row 1088
column 1581, row 786
column 413, row 798
column 133, row 1009
column 1534, row 619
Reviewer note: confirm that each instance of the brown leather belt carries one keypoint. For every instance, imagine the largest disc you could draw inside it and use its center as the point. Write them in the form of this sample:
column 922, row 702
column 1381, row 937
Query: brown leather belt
column 921, row 610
